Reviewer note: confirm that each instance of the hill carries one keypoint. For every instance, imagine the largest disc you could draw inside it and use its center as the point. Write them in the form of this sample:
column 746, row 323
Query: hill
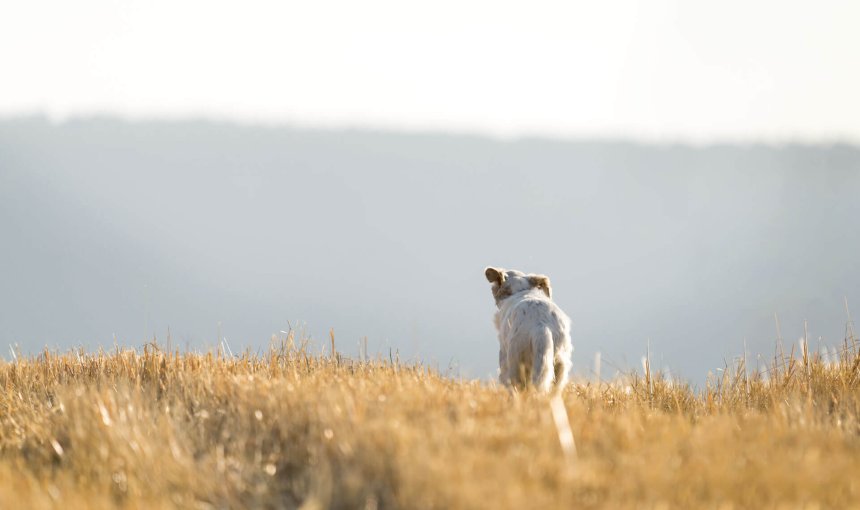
column 117, row 231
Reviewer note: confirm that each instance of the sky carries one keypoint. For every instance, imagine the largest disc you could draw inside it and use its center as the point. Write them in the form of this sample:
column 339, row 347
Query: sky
column 658, row 70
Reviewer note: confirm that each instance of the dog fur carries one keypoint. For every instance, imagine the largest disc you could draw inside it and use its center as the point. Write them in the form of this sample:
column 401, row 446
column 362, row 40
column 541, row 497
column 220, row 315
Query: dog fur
column 534, row 333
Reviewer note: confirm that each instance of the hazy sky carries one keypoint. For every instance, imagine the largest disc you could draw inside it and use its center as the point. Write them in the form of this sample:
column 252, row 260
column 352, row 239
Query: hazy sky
column 659, row 69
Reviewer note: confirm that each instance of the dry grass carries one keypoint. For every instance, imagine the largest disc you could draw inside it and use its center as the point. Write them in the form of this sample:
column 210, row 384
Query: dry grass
column 155, row 429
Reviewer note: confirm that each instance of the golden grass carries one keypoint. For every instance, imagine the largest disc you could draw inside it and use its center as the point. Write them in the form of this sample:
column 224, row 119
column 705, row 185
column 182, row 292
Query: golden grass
column 287, row 429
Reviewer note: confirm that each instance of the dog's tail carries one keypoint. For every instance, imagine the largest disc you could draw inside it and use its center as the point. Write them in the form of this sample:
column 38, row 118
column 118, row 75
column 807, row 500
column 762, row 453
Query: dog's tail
column 542, row 370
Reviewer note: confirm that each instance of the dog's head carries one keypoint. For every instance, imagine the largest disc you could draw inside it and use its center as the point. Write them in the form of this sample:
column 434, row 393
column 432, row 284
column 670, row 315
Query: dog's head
column 507, row 283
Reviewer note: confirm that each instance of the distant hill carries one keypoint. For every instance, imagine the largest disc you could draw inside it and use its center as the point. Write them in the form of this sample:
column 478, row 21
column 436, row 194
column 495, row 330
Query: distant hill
column 116, row 228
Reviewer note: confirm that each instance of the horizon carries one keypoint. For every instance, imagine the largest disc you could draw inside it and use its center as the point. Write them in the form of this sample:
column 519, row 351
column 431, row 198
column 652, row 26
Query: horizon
column 41, row 116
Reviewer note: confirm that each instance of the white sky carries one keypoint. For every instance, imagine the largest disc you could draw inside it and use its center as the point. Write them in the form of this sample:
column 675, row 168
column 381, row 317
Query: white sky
column 687, row 69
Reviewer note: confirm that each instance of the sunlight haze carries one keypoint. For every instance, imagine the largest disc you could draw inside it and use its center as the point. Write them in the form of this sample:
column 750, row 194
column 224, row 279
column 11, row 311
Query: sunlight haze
column 669, row 70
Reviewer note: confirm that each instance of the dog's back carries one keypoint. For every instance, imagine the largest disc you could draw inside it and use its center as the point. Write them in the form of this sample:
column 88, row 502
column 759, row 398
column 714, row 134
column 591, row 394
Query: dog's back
column 534, row 333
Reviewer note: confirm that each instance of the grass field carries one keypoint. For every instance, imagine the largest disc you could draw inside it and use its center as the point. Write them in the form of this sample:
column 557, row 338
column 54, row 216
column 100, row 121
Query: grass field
column 158, row 429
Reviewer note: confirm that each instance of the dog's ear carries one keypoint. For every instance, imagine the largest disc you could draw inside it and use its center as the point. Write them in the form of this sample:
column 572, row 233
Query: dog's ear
column 495, row 275
column 541, row 282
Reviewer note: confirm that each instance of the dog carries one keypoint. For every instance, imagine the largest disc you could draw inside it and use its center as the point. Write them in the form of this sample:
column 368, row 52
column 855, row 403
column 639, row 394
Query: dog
column 534, row 333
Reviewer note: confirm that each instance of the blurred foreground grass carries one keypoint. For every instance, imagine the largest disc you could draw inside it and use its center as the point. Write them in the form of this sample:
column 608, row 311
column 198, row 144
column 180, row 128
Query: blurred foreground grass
column 155, row 429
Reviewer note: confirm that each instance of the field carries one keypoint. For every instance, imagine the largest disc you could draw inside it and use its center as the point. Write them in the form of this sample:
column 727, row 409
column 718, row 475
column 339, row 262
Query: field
column 153, row 428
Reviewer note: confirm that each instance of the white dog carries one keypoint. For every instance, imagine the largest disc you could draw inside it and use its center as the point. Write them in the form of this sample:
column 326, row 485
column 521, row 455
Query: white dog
column 534, row 334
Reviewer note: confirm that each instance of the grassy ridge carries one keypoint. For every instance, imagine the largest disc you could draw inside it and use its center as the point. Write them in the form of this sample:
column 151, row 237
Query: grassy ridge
column 154, row 429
